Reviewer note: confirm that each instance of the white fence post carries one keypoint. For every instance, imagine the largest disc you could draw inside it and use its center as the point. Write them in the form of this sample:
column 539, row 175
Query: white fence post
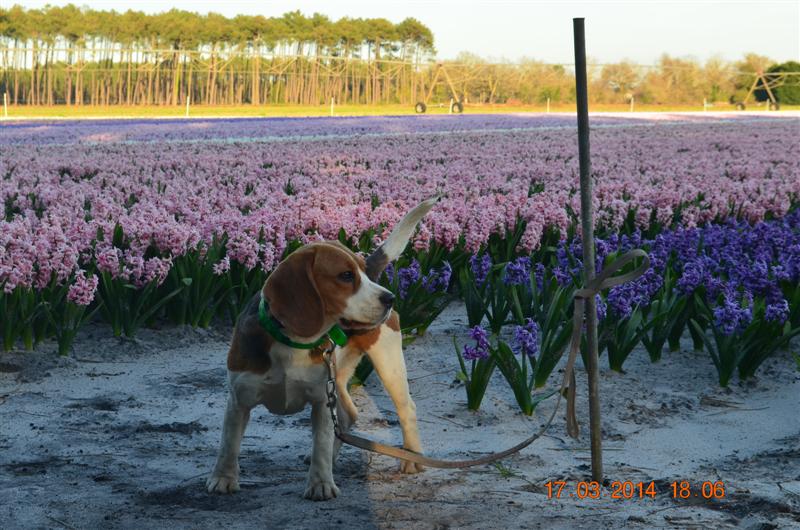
column 631, row 103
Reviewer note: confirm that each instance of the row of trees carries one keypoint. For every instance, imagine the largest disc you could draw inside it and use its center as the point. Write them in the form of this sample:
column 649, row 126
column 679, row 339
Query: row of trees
column 670, row 81
column 677, row 80
column 80, row 56
column 293, row 33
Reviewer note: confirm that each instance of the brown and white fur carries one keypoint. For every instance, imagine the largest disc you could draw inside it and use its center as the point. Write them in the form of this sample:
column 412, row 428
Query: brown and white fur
column 315, row 287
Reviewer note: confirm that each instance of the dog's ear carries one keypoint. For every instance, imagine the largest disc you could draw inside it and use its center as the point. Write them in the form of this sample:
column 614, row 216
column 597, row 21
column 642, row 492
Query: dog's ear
column 293, row 296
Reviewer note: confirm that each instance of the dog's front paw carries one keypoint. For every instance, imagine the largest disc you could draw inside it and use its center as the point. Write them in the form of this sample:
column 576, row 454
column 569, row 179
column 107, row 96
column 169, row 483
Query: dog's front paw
column 320, row 490
column 409, row 468
column 222, row 484
column 307, row 461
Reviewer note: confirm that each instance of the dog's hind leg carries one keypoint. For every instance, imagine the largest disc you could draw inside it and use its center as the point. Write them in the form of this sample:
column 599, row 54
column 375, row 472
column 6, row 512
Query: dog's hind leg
column 386, row 355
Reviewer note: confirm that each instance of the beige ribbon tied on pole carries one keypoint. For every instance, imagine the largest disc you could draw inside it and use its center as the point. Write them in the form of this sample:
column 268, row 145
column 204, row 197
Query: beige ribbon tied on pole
column 604, row 280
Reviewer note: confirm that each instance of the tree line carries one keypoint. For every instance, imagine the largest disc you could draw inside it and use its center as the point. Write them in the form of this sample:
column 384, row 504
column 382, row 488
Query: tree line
column 670, row 80
column 82, row 56
column 79, row 56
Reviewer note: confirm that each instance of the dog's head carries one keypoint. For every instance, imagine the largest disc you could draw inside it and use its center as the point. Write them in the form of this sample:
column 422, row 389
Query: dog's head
column 323, row 284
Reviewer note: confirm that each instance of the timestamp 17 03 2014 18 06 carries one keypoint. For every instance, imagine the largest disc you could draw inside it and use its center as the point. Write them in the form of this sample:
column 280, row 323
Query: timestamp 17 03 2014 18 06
column 677, row 489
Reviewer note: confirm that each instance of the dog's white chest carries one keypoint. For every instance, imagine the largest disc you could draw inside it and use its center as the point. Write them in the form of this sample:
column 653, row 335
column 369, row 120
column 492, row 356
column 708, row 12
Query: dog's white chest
column 290, row 394
column 286, row 388
column 282, row 398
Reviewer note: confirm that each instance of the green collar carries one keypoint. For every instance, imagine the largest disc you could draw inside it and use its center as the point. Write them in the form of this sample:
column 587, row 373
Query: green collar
column 335, row 334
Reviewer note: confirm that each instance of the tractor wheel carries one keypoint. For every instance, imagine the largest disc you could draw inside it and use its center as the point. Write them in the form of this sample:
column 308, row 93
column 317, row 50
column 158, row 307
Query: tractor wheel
column 458, row 108
column 740, row 106
column 420, row 108
column 774, row 106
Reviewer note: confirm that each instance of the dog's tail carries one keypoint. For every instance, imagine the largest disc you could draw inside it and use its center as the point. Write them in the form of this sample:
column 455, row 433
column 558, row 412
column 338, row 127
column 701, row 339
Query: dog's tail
column 391, row 249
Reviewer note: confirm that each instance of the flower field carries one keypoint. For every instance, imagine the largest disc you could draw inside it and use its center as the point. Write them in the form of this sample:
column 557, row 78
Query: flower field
column 138, row 221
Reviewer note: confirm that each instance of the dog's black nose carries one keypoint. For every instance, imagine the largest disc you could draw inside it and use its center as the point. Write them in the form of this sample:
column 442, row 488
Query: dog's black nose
column 387, row 299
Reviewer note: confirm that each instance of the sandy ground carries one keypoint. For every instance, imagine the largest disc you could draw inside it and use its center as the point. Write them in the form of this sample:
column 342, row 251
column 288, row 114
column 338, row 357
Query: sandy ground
column 122, row 433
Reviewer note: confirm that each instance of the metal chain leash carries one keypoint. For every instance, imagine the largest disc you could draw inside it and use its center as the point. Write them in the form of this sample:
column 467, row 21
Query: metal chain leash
column 330, row 363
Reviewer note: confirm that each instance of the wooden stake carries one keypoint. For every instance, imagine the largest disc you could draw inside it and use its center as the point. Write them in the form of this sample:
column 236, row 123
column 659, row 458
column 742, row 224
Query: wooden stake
column 5, row 104
column 587, row 229
column 188, row 98
column 332, row 100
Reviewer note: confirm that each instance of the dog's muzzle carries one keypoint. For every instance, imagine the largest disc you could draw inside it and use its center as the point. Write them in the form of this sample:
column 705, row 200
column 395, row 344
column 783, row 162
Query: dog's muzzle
column 346, row 323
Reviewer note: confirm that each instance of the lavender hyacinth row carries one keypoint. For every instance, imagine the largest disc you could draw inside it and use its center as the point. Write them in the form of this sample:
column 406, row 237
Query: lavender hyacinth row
column 276, row 129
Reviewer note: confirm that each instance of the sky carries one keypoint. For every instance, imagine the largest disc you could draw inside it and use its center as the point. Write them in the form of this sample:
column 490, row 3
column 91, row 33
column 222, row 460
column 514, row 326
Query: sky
column 639, row 31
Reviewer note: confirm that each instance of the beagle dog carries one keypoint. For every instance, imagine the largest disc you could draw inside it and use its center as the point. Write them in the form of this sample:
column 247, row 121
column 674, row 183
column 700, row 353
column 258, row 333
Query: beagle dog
column 315, row 288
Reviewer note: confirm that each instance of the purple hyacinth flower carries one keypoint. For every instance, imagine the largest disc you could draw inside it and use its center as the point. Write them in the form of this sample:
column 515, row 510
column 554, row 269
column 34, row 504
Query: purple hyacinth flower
column 602, row 308
column 407, row 277
column 526, row 338
column 539, row 276
column 694, row 273
column 731, row 316
column 777, row 311
column 518, row 272
column 438, row 279
column 480, row 268
column 481, row 348
column 620, row 301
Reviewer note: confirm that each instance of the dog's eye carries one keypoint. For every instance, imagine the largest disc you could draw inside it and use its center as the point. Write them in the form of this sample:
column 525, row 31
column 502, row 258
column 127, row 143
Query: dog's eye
column 347, row 276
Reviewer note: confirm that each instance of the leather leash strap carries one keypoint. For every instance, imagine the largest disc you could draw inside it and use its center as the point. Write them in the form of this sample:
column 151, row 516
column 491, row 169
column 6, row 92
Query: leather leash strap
column 604, row 280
